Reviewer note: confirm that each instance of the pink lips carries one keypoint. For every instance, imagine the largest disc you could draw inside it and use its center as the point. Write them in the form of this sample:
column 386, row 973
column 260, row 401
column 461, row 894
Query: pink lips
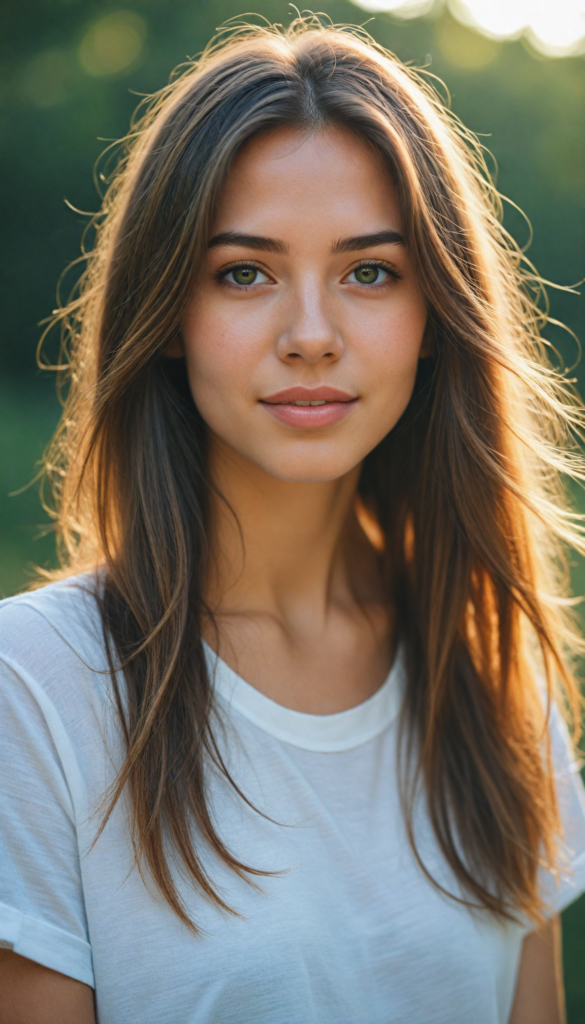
column 282, row 406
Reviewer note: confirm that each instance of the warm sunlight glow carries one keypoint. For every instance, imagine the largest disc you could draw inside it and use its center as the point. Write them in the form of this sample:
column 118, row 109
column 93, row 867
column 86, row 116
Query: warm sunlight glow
column 554, row 27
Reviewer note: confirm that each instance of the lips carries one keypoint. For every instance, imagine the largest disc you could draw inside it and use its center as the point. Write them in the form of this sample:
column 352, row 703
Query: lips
column 295, row 406
column 303, row 394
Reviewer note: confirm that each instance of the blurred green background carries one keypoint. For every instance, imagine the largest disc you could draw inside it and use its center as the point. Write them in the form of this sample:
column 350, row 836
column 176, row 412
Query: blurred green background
column 71, row 72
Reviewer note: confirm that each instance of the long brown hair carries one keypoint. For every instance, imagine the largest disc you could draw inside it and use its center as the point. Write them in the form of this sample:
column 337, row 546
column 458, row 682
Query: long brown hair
column 465, row 490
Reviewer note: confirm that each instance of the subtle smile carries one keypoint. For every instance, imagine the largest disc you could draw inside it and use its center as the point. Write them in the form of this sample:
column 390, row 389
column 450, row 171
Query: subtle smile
column 309, row 408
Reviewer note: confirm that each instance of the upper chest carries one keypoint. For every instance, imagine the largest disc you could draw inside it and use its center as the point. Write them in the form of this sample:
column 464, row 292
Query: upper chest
column 328, row 664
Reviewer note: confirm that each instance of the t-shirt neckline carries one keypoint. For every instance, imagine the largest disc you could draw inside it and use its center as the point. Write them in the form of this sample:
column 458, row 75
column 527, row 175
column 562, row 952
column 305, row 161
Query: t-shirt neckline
column 344, row 730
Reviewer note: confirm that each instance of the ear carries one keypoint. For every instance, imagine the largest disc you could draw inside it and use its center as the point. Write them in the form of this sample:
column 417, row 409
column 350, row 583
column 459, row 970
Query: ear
column 428, row 345
column 175, row 349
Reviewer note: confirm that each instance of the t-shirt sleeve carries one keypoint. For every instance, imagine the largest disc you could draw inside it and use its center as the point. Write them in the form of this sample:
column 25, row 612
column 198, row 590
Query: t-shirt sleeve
column 42, row 913
column 560, row 891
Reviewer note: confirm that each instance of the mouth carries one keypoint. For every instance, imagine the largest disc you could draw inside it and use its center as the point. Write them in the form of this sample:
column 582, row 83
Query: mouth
column 309, row 408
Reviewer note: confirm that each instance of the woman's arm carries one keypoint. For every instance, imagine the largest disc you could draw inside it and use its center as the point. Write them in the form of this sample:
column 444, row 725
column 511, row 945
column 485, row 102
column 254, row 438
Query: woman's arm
column 32, row 994
column 540, row 996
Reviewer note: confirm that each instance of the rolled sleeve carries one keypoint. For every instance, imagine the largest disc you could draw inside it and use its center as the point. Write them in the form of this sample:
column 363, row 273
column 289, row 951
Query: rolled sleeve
column 42, row 911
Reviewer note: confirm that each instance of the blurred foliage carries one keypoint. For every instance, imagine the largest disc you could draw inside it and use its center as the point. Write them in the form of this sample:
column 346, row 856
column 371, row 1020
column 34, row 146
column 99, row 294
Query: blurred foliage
column 72, row 71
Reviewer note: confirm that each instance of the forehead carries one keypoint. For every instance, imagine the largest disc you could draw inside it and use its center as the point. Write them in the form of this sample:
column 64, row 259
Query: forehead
column 317, row 181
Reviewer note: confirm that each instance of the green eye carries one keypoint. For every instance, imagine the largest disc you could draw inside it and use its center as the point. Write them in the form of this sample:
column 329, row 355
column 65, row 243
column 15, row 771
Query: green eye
column 244, row 275
column 367, row 274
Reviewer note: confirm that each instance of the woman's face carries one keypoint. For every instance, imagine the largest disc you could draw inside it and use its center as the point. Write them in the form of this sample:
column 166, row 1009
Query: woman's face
column 303, row 338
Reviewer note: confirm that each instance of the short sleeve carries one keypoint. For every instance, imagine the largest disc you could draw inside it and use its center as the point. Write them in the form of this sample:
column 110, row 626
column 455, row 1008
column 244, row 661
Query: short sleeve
column 42, row 913
column 560, row 891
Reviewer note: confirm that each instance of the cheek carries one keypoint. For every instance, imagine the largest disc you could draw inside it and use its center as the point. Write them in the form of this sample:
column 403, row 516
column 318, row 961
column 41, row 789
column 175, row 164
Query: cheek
column 389, row 344
column 221, row 352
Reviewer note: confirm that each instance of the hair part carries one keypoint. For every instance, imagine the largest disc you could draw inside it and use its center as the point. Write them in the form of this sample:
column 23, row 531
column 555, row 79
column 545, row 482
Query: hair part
column 476, row 583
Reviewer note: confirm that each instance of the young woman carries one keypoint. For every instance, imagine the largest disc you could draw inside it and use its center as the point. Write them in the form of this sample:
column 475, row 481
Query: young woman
column 284, row 744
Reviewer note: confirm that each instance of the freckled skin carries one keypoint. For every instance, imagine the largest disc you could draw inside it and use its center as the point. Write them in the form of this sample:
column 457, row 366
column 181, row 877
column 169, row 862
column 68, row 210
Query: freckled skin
column 307, row 319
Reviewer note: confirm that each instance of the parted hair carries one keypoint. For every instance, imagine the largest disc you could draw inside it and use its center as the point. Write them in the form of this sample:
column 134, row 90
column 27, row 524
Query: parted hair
column 465, row 492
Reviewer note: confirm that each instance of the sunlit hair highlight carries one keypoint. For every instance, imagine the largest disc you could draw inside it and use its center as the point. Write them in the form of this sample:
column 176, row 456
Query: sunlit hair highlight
column 465, row 492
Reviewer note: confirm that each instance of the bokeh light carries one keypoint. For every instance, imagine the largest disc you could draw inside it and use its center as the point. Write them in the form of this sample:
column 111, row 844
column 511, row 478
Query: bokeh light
column 401, row 8
column 113, row 44
column 555, row 28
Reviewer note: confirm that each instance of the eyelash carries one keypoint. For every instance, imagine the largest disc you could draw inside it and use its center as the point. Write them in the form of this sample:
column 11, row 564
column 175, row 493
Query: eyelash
column 221, row 275
column 383, row 265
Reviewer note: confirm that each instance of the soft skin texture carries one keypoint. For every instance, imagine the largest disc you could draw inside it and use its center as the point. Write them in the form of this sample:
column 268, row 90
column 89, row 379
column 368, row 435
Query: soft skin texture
column 33, row 994
column 540, row 997
column 296, row 588
column 305, row 320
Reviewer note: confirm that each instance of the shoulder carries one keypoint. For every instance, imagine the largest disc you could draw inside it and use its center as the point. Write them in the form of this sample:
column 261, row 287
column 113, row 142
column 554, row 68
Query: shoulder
column 51, row 640
column 67, row 607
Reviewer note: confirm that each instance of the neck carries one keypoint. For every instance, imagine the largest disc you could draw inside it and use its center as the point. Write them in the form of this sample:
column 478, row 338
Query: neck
column 287, row 549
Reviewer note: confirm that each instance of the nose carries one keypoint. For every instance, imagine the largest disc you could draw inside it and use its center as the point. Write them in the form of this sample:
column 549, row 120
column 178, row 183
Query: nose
column 310, row 333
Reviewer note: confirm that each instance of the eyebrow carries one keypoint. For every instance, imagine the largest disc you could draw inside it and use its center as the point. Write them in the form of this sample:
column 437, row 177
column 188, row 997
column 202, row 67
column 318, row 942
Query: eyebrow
column 247, row 241
column 264, row 244
column 368, row 241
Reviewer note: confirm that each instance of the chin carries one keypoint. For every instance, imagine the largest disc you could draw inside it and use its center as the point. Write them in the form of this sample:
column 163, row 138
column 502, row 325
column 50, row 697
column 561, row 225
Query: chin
column 320, row 461
column 306, row 470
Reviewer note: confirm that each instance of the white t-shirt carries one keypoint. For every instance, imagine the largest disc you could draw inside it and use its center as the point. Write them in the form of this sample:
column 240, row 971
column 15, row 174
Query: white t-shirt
column 349, row 932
